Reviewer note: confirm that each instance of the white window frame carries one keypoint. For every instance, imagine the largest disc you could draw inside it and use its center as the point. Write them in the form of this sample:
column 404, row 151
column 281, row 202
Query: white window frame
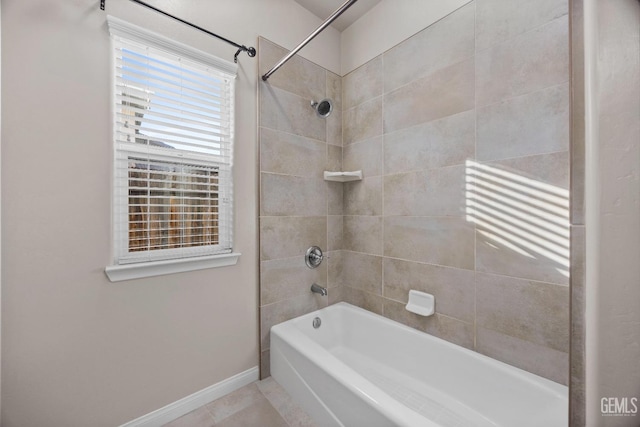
column 132, row 265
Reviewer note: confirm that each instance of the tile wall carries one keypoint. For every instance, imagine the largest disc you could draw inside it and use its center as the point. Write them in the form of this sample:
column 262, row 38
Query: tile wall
column 577, row 353
column 462, row 132
column 297, row 207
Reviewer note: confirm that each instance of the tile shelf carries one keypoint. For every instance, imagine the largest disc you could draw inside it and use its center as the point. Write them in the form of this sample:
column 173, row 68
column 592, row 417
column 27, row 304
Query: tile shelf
column 343, row 176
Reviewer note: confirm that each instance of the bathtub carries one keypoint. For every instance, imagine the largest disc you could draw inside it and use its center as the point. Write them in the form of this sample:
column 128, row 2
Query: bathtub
column 361, row 369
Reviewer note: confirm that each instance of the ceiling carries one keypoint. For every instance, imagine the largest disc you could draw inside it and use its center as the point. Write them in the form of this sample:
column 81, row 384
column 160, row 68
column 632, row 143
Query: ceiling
column 323, row 8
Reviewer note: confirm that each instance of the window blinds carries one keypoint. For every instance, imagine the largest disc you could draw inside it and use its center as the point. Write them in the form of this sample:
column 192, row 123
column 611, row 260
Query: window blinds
column 173, row 141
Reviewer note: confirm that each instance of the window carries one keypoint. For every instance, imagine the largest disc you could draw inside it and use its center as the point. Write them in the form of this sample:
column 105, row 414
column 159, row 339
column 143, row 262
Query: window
column 173, row 146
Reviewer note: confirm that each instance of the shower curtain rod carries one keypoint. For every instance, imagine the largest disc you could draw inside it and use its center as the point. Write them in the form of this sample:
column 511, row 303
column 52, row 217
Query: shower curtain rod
column 311, row 36
column 251, row 51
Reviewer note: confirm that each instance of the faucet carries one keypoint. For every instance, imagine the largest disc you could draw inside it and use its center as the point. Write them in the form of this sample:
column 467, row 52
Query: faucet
column 319, row 290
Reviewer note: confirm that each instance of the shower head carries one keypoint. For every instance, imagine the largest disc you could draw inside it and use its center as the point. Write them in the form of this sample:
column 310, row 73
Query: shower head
column 323, row 108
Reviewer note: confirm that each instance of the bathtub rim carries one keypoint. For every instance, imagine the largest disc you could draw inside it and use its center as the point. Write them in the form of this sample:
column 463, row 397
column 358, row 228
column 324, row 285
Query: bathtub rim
column 396, row 412
column 297, row 339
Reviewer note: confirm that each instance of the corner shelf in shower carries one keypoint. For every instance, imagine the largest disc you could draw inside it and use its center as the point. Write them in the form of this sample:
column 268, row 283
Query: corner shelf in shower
column 343, row 176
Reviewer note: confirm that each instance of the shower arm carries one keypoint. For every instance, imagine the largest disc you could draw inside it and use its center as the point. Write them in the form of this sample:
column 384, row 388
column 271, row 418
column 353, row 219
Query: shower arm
column 310, row 37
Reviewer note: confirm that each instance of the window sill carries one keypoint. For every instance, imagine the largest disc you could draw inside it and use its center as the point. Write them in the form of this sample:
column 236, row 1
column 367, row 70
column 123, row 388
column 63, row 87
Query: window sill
column 118, row 273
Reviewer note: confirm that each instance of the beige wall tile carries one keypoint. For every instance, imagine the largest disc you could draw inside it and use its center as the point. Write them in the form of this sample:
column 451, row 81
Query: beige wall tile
column 290, row 154
column 453, row 288
column 444, row 327
column 521, row 210
column 287, row 278
column 335, row 232
column 446, row 241
column 499, row 250
column 334, row 128
column 527, row 63
column 364, row 155
column 363, row 83
column 284, row 310
column 578, row 119
column 265, row 364
column 440, row 94
column 437, row 192
column 577, row 359
column 532, row 311
column 362, row 299
column 530, row 124
column 292, row 195
column 500, row 20
column 335, row 267
column 363, row 197
column 363, row 234
column 298, row 75
column 551, row 169
column 335, row 295
column 362, row 271
column 334, row 159
column 287, row 112
column 334, row 90
column 286, row 237
column 362, row 122
column 540, row 360
column 446, row 42
column 445, row 142
column 335, row 198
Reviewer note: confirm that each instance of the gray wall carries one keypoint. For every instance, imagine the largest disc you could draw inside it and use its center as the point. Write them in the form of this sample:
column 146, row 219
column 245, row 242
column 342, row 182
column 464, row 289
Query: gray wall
column 612, row 217
column 78, row 350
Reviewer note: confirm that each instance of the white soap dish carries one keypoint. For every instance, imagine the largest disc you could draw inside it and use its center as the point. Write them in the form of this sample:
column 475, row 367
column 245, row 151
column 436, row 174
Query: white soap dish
column 421, row 303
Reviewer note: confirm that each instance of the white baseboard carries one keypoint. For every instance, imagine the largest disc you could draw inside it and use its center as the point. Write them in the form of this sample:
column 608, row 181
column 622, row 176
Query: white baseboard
column 184, row 406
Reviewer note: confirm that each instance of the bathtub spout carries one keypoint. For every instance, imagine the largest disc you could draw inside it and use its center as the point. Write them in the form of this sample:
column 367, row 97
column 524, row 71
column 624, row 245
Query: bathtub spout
column 319, row 290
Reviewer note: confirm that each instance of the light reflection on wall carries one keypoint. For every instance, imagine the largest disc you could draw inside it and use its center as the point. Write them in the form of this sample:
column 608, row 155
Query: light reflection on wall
column 527, row 216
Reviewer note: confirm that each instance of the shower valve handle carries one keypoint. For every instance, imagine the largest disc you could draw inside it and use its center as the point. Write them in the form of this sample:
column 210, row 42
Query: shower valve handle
column 313, row 257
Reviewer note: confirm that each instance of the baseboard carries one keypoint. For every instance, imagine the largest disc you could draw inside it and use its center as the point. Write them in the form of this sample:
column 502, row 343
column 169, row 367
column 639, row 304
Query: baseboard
column 184, row 406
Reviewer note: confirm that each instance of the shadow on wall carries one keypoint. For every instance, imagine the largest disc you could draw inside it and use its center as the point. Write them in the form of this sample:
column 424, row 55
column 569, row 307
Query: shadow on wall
column 518, row 213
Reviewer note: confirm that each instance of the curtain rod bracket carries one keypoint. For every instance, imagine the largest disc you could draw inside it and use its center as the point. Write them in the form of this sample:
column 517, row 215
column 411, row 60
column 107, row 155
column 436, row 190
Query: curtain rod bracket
column 251, row 51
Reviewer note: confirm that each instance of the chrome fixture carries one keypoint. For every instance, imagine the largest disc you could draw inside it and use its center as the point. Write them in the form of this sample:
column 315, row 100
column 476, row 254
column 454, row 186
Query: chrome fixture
column 323, row 108
column 310, row 37
column 317, row 289
column 313, row 257
column 316, row 322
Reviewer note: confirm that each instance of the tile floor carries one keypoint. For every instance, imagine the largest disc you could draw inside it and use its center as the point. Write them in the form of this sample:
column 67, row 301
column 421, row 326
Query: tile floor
column 262, row 403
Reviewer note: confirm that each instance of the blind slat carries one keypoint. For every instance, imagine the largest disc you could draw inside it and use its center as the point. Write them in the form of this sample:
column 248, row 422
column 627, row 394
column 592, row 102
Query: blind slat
column 176, row 108
column 145, row 63
column 175, row 122
column 140, row 91
column 137, row 95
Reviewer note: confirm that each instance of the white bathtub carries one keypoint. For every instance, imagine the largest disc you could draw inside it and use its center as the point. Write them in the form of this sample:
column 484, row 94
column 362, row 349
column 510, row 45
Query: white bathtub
column 361, row 369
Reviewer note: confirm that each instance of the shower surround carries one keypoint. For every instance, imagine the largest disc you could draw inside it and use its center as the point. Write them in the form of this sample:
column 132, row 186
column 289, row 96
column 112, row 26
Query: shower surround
column 298, row 209
column 462, row 134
